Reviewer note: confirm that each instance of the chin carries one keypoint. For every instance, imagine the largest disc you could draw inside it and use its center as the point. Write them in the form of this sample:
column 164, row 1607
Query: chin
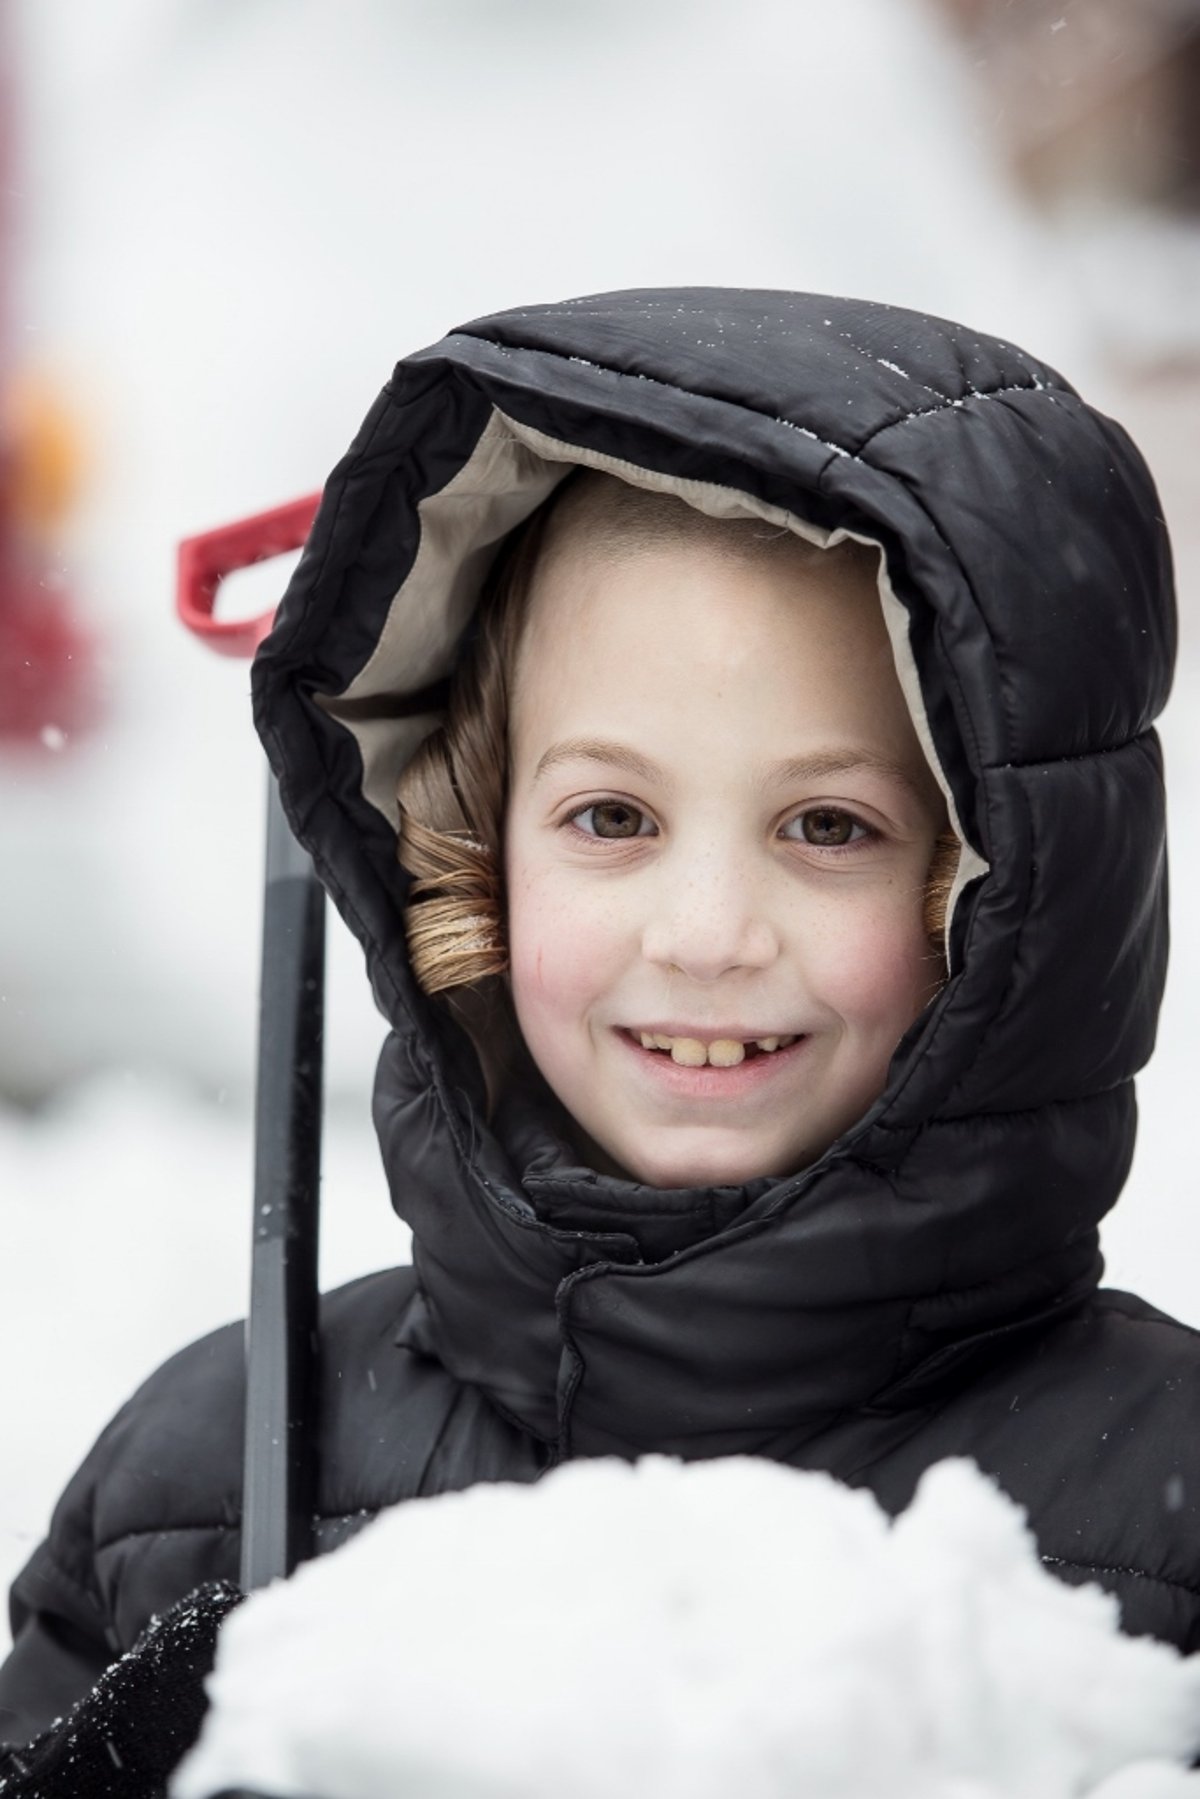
column 730, row 1166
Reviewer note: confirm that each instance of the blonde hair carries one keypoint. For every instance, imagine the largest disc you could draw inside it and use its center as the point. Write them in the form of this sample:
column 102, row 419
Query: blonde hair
column 454, row 792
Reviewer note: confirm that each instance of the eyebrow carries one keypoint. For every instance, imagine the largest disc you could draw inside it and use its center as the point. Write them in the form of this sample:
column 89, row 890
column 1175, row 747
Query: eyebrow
column 598, row 749
column 816, row 766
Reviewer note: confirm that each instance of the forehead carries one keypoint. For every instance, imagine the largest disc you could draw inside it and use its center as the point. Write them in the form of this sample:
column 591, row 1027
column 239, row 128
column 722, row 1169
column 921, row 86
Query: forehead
column 394, row 700
column 691, row 629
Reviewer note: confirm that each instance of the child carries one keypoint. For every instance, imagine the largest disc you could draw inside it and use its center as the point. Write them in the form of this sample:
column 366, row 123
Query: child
column 771, row 923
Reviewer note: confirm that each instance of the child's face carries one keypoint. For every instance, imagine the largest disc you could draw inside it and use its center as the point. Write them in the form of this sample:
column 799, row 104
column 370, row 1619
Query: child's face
column 668, row 874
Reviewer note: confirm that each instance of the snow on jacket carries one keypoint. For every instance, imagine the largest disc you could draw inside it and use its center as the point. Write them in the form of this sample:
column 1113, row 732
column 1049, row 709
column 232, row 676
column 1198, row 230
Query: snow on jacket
column 930, row 1285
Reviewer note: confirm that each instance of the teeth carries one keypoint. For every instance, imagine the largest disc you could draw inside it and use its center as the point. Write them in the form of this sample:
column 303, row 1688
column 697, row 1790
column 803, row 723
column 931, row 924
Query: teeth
column 724, row 1052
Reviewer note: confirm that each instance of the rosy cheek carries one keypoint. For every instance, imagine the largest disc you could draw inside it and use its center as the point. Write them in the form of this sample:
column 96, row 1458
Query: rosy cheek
column 552, row 967
column 527, row 959
column 570, row 931
column 876, row 970
column 560, row 954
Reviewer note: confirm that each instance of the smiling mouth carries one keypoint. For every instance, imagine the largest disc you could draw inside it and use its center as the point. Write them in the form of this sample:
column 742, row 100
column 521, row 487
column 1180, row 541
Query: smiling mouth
column 719, row 1052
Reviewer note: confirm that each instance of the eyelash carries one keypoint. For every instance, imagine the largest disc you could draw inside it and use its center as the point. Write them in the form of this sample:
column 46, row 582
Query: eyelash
column 591, row 837
column 867, row 832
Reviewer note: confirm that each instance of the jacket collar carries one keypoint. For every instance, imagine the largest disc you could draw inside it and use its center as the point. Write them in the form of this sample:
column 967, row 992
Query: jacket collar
column 609, row 1318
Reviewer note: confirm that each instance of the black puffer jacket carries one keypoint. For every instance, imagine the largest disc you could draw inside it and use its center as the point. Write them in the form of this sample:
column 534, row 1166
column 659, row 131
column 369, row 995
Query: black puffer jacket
column 928, row 1287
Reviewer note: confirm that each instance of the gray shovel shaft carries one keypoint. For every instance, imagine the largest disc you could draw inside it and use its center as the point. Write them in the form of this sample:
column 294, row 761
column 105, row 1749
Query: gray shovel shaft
column 279, row 1470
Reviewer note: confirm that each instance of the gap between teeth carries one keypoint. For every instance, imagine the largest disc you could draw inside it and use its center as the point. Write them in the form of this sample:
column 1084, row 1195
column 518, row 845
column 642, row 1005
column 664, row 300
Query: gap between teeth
column 725, row 1052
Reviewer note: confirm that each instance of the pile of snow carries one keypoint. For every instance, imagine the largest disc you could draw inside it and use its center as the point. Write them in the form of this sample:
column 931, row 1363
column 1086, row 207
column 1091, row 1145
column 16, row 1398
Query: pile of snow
column 693, row 1632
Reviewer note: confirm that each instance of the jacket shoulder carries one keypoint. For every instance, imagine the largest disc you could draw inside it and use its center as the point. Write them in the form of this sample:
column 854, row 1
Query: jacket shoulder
column 1119, row 1366
column 154, row 1510
column 1093, row 1428
column 171, row 1459
column 1114, row 1398
column 162, row 1462
column 155, row 1507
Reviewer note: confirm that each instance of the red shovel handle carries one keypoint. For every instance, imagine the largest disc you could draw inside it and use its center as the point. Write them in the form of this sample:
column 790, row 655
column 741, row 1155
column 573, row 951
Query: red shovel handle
column 205, row 560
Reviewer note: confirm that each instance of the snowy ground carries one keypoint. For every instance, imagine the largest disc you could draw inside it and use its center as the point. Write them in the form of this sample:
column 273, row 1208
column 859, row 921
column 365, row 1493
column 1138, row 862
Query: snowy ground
column 234, row 220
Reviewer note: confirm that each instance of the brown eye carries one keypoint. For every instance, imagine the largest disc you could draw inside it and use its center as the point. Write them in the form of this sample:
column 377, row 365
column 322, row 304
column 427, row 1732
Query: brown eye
column 612, row 818
column 826, row 827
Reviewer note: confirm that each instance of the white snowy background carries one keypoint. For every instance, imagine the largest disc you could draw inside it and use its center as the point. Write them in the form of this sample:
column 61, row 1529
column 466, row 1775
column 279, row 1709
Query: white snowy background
column 233, row 216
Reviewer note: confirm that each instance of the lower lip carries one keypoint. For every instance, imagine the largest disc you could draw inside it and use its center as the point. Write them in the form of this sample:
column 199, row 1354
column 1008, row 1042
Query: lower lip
column 712, row 1083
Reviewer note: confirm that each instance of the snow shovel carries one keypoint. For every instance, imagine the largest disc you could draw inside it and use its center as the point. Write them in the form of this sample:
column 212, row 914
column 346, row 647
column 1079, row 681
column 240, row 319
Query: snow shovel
column 279, row 1459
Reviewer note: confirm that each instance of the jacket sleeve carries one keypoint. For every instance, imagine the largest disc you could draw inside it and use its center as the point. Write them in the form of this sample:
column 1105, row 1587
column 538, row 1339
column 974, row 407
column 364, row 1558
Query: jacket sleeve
column 150, row 1514
column 63, row 1635
column 60, row 1648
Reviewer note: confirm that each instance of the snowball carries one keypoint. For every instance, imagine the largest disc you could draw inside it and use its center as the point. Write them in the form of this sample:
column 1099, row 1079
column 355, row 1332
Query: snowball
column 693, row 1631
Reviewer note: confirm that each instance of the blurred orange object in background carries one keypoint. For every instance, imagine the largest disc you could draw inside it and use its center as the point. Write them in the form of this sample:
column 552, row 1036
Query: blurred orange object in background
column 48, row 675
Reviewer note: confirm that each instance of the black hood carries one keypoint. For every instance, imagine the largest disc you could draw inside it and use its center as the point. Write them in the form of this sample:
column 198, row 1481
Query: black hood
column 1025, row 575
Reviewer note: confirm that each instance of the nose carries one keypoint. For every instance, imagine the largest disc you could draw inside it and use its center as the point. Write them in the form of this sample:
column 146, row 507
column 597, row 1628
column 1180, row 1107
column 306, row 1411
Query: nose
column 709, row 920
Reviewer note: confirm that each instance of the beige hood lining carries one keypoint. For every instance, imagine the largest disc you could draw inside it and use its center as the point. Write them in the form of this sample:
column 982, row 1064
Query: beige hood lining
column 512, row 469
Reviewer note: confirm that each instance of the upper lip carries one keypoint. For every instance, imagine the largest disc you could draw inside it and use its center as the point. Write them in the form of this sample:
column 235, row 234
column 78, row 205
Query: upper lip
column 707, row 1033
